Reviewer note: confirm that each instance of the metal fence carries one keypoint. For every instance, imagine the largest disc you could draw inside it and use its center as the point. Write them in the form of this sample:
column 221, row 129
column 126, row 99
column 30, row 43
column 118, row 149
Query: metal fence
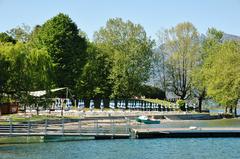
column 72, row 127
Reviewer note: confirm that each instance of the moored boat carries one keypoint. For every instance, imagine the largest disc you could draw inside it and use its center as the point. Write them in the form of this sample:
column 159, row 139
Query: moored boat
column 146, row 120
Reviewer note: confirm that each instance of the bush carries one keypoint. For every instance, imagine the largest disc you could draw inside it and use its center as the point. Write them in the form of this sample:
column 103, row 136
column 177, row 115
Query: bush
column 152, row 92
column 181, row 103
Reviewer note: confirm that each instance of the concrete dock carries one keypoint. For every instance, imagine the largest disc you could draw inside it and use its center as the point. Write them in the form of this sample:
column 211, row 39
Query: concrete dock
column 191, row 132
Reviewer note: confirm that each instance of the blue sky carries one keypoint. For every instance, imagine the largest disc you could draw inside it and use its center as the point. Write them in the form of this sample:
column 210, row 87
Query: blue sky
column 153, row 15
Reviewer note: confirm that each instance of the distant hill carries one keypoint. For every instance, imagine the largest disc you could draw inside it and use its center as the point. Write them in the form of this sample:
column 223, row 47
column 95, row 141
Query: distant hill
column 227, row 37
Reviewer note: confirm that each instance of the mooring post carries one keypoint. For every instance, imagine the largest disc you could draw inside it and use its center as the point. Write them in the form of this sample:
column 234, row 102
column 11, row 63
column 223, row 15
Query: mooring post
column 113, row 128
column 10, row 126
column 127, row 127
column 46, row 124
column 29, row 126
column 96, row 127
column 79, row 126
column 63, row 126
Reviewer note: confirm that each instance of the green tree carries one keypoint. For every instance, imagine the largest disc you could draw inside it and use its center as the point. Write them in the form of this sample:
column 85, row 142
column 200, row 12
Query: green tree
column 181, row 45
column 30, row 70
column 20, row 33
column 34, row 41
column 159, row 68
column 152, row 92
column 198, row 87
column 4, row 71
column 4, row 38
column 199, row 90
column 221, row 70
column 60, row 36
column 94, row 81
column 130, row 50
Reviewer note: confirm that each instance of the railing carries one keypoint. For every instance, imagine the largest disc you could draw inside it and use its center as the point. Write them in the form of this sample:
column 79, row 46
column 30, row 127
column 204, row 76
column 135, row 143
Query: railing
column 63, row 126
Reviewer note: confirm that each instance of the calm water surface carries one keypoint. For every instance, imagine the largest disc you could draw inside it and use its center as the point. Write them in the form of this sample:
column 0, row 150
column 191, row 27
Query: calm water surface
column 172, row 148
column 201, row 123
column 203, row 148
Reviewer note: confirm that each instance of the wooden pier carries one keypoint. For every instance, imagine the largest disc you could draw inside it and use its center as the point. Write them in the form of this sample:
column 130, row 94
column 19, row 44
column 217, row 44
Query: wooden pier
column 103, row 128
column 191, row 132
column 77, row 128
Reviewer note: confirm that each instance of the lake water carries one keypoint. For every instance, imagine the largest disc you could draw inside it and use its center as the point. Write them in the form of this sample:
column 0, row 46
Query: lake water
column 173, row 148
column 201, row 123
column 221, row 111
column 191, row 148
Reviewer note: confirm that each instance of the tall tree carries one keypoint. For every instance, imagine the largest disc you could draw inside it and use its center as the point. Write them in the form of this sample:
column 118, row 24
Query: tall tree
column 159, row 68
column 60, row 36
column 222, row 73
column 130, row 50
column 94, row 81
column 182, row 48
column 4, row 38
column 208, row 43
column 20, row 33
column 5, row 66
column 30, row 69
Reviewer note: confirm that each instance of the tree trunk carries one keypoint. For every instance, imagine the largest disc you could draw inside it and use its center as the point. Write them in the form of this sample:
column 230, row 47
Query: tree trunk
column 37, row 109
column 225, row 111
column 235, row 111
column 62, row 110
column 97, row 102
column 231, row 110
column 25, row 109
column 200, row 104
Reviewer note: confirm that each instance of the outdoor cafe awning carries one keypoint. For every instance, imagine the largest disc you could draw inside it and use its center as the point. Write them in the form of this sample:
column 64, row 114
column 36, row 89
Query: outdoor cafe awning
column 44, row 92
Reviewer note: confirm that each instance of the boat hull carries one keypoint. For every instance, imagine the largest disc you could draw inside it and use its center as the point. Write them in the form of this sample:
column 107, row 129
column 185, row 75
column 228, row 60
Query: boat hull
column 147, row 121
column 151, row 121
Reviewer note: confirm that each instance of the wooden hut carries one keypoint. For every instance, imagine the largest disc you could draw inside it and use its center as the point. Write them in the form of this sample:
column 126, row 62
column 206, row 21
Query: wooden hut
column 9, row 108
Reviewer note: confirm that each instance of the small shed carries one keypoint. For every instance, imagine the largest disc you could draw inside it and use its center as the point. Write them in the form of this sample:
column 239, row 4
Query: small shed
column 9, row 108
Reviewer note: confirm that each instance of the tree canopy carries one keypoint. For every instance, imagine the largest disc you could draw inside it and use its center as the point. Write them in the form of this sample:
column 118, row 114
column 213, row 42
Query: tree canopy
column 60, row 36
column 94, row 81
column 181, row 48
column 119, row 61
column 222, row 73
column 130, row 50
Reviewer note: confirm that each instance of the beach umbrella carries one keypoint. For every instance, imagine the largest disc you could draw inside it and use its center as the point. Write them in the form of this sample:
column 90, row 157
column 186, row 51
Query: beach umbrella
column 118, row 104
column 58, row 103
column 91, row 105
column 102, row 105
column 142, row 105
column 162, row 108
column 80, row 104
column 130, row 104
column 112, row 104
column 68, row 103
column 123, row 105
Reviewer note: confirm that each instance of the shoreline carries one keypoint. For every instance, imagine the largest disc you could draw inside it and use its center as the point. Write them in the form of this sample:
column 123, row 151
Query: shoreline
column 99, row 122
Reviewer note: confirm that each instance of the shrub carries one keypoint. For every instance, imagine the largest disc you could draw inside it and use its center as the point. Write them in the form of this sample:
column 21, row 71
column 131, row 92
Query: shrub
column 181, row 103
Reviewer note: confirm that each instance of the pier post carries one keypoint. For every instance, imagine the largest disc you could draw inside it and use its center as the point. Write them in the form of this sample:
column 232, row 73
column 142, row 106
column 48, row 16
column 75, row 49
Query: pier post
column 10, row 126
column 113, row 128
column 46, row 124
column 79, row 126
column 62, row 126
column 29, row 126
column 127, row 125
column 96, row 124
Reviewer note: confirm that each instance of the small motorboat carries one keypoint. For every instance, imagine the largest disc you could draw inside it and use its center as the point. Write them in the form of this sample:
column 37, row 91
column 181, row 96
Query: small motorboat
column 146, row 120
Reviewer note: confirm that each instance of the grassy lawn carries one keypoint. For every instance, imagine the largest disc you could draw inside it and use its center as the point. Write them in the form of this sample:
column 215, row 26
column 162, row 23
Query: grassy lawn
column 21, row 139
column 16, row 118
column 158, row 101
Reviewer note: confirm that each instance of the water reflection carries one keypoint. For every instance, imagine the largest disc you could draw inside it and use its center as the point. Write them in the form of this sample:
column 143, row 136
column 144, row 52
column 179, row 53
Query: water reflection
column 198, row 148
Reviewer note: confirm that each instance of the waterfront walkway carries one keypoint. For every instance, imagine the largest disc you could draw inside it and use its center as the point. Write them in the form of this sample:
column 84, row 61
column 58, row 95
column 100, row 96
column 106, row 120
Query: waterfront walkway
column 96, row 128
column 191, row 132
column 112, row 128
